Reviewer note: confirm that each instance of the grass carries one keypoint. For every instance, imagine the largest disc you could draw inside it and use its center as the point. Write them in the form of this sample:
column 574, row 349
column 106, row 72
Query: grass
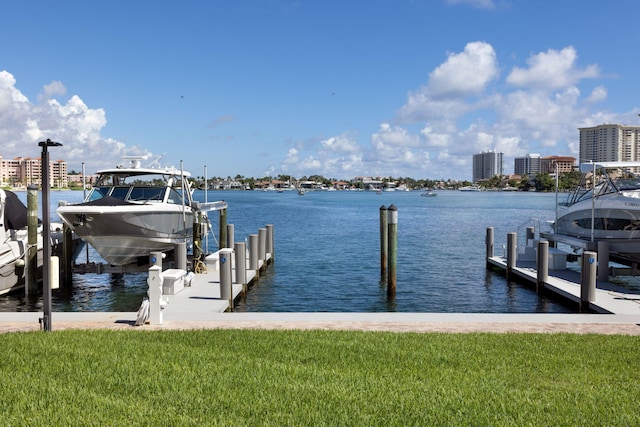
column 249, row 377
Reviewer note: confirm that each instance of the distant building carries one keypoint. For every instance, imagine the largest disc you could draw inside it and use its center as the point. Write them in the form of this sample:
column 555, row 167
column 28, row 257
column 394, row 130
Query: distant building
column 486, row 165
column 527, row 165
column 22, row 172
column 610, row 143
column 563, row 163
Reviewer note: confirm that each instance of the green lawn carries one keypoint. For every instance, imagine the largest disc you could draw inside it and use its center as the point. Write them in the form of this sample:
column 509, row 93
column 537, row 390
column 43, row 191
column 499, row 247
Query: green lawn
column 250, row 377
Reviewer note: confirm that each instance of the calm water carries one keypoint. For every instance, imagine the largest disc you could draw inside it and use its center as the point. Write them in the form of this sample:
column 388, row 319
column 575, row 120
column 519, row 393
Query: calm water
column 327, row 254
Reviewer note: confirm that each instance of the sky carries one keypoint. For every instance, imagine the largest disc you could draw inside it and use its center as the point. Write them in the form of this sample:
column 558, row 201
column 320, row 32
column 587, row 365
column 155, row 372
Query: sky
column 339, row 88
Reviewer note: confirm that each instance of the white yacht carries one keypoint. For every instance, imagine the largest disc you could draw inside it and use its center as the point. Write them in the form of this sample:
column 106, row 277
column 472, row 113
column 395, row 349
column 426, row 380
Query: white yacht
column 132, row 211
column 604, row 206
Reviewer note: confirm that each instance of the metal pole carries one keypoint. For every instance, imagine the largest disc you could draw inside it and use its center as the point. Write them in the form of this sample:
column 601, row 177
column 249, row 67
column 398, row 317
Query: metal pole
column 46, row 242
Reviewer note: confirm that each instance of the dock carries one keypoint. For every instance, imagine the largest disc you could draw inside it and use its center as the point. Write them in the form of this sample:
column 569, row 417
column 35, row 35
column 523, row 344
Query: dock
column 545, row 268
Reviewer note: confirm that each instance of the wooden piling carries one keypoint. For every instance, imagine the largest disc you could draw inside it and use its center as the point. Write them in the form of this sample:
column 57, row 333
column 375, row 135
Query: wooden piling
column 223, row 228
column 197, row 241
column 384, row 242
column 393, row 246
column 588, row 279
column 31, row 281
column 512, row 239
column 542, row 265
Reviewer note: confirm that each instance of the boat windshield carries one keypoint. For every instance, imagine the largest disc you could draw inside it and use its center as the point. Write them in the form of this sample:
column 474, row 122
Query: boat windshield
column 137, row 188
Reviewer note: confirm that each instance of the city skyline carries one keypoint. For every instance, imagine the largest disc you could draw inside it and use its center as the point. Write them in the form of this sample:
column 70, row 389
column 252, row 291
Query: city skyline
column 406, row 88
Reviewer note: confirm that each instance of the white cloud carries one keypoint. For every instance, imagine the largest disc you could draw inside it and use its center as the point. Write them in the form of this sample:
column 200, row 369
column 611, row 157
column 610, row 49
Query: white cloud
column 552, row 69
column 23, row 124
column 465, row 73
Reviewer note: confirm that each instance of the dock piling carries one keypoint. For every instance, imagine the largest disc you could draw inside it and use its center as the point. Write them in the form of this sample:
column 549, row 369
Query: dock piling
column 240, row 251
column 31, row 280
column 270, row 242
column 588, row 279
column 542, row 265
column 223, row 228
column 603, row 261
column 226, row 292
column 262, row 245
column 230, row 236
column 393, row 246
column 512, row 239
column 489, row 239
column 254, row 253
column 384, row 242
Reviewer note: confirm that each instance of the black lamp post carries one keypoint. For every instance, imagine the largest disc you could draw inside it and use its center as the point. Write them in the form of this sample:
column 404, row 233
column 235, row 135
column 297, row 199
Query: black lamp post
column 46, row 242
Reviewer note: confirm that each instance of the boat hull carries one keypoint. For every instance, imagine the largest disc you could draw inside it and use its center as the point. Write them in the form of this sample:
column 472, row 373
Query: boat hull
column 122, row 234
column 615, row 217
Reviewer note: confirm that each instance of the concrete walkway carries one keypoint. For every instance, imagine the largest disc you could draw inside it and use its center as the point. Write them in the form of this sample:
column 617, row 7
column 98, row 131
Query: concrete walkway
column 393, row 322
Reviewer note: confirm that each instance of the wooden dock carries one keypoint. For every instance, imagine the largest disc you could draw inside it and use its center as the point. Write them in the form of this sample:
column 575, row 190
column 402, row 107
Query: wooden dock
column 609, row 298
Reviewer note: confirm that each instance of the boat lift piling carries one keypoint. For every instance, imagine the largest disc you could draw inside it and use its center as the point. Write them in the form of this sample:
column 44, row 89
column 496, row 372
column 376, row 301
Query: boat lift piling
column 384, row 245
column 393, row 249
column 31, row 267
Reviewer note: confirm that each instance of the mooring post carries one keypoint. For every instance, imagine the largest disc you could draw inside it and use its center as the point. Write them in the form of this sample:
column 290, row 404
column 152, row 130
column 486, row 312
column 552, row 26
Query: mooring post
column 230, row 236
column 603, row 261
column 384, row 242
column 512, row 238
column 542, row 265
column 588, row 279
column 31, row 283
column 226, row 289
column 180, row 255
column 254, row 254
column 223, row 228
column 489, row 238
column 197, row 240
column 393, row 249
column 240, row 251
column 67, row 257
column 262, row 245
column 270, row 243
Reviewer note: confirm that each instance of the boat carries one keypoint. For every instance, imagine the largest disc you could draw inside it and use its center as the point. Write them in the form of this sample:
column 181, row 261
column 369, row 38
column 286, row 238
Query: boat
column 428, row 193
column 132, row 211
column 605, row 206
column 470, row 188
column 14, row 242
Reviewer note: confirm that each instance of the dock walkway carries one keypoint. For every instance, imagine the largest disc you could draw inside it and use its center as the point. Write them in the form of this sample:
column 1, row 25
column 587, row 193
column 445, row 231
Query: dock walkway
column 609, row 298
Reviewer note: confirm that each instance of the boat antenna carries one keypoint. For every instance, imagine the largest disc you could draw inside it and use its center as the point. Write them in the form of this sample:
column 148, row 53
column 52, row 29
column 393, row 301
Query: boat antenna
column 156, row 160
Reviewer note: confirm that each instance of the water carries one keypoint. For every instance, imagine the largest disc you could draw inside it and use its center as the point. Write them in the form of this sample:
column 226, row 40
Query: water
column 327, row 254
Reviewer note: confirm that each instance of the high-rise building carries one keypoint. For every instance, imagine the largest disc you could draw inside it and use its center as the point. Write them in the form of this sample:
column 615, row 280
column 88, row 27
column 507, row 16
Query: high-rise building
column 486, row 165
column 610, row 143
column 527, row 165
column 563, row 164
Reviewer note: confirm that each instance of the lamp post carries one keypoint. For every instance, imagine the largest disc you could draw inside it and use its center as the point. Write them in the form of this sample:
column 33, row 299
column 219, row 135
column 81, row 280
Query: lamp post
column 46, row 242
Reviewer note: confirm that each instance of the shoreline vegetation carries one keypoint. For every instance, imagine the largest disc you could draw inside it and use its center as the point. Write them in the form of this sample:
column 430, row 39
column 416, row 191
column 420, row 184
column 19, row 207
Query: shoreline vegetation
column 542, row 182
column 294, row 377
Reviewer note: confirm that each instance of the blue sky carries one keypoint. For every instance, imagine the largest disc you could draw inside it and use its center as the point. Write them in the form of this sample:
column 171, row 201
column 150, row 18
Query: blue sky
column 338, row 88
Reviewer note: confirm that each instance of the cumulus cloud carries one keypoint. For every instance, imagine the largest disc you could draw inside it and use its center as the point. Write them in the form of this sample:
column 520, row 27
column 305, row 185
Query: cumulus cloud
column 463, row 108
column 552, row 69
column 24, row 123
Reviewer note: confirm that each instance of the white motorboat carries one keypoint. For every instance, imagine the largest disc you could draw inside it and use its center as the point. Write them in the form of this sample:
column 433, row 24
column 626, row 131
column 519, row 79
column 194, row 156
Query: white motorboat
column 14, row 241
column 133, row 211
column 604, row 206
column 471, row 188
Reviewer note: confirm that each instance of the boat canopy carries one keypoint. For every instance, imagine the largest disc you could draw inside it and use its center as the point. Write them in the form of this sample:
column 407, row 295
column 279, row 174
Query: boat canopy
column 590, row 166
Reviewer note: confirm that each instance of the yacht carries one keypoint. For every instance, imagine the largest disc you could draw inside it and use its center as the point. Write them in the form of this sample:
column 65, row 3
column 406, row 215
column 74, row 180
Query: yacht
column 604, row 206
column 133, row 211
